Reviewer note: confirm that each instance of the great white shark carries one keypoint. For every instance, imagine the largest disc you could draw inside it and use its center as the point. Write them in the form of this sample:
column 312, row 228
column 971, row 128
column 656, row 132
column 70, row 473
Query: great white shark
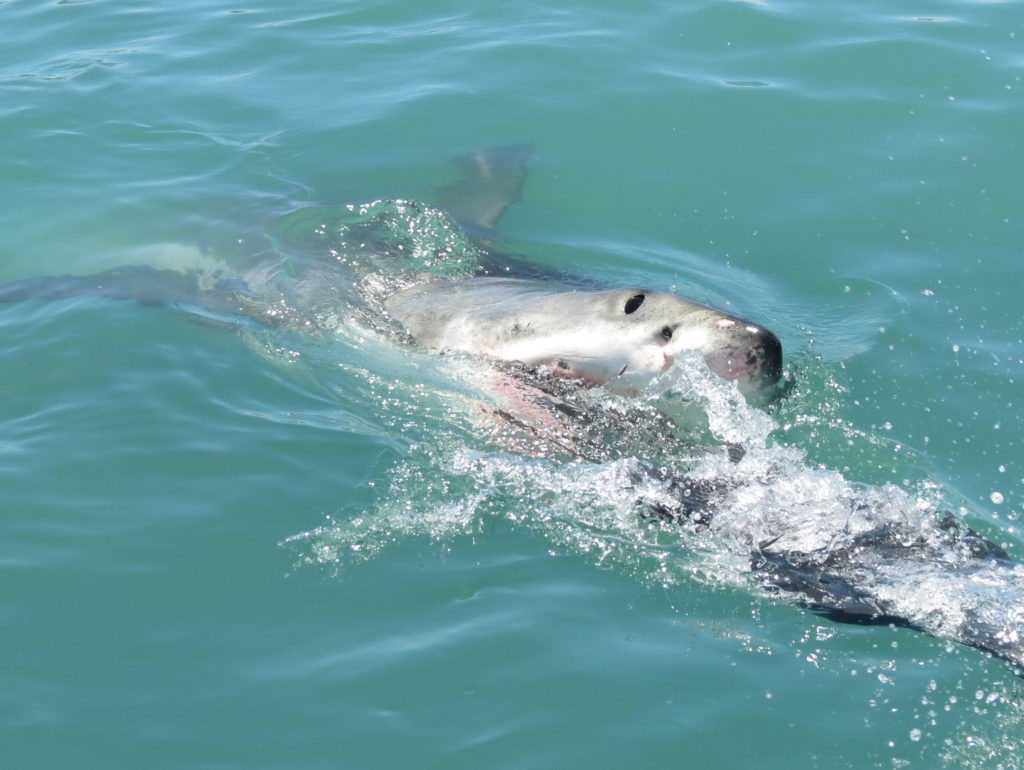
column 549, row 337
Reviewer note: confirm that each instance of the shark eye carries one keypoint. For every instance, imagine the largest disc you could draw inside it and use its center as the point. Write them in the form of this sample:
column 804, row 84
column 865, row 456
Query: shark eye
column 633, row 303
column 666, row 332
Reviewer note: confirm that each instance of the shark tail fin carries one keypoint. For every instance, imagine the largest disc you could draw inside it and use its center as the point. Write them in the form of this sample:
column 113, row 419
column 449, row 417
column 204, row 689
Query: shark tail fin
column 139, row 283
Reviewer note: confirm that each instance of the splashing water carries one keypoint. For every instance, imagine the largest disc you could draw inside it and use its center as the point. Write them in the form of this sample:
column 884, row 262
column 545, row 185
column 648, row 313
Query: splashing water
column 749, row 498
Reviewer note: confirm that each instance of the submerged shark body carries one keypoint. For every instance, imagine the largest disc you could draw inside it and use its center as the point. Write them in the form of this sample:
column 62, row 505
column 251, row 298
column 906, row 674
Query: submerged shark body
column 548, row 339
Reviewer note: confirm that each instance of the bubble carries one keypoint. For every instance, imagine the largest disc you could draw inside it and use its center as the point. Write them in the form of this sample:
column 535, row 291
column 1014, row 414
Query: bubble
column 996, row 497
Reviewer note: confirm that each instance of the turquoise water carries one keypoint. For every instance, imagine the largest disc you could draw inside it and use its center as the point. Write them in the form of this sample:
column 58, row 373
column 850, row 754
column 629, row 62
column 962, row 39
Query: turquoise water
column 228, row 545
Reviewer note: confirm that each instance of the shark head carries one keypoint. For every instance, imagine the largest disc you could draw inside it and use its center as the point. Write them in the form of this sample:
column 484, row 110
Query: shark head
column 624, row 338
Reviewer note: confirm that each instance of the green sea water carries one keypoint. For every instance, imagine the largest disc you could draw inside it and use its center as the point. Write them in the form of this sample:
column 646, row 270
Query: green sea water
column 234, row 545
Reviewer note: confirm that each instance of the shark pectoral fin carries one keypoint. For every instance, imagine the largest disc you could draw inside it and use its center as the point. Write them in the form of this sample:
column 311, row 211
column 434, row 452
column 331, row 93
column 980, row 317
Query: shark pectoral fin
column 492, row 180
column 823, row 591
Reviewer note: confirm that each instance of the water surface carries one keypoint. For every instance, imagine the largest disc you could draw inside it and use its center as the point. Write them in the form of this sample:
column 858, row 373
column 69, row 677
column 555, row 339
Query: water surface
column 180, row 496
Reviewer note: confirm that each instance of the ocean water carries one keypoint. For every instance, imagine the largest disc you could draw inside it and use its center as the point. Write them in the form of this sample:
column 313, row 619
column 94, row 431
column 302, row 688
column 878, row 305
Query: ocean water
column 232, row 544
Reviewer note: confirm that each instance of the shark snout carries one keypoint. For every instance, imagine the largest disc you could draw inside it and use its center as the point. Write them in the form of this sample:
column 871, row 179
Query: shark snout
column 745, row 352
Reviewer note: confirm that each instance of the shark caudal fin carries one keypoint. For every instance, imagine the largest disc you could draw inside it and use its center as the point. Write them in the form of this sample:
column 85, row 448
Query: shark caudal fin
column 492, row 180
column 138, row 283
column 142, row 284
